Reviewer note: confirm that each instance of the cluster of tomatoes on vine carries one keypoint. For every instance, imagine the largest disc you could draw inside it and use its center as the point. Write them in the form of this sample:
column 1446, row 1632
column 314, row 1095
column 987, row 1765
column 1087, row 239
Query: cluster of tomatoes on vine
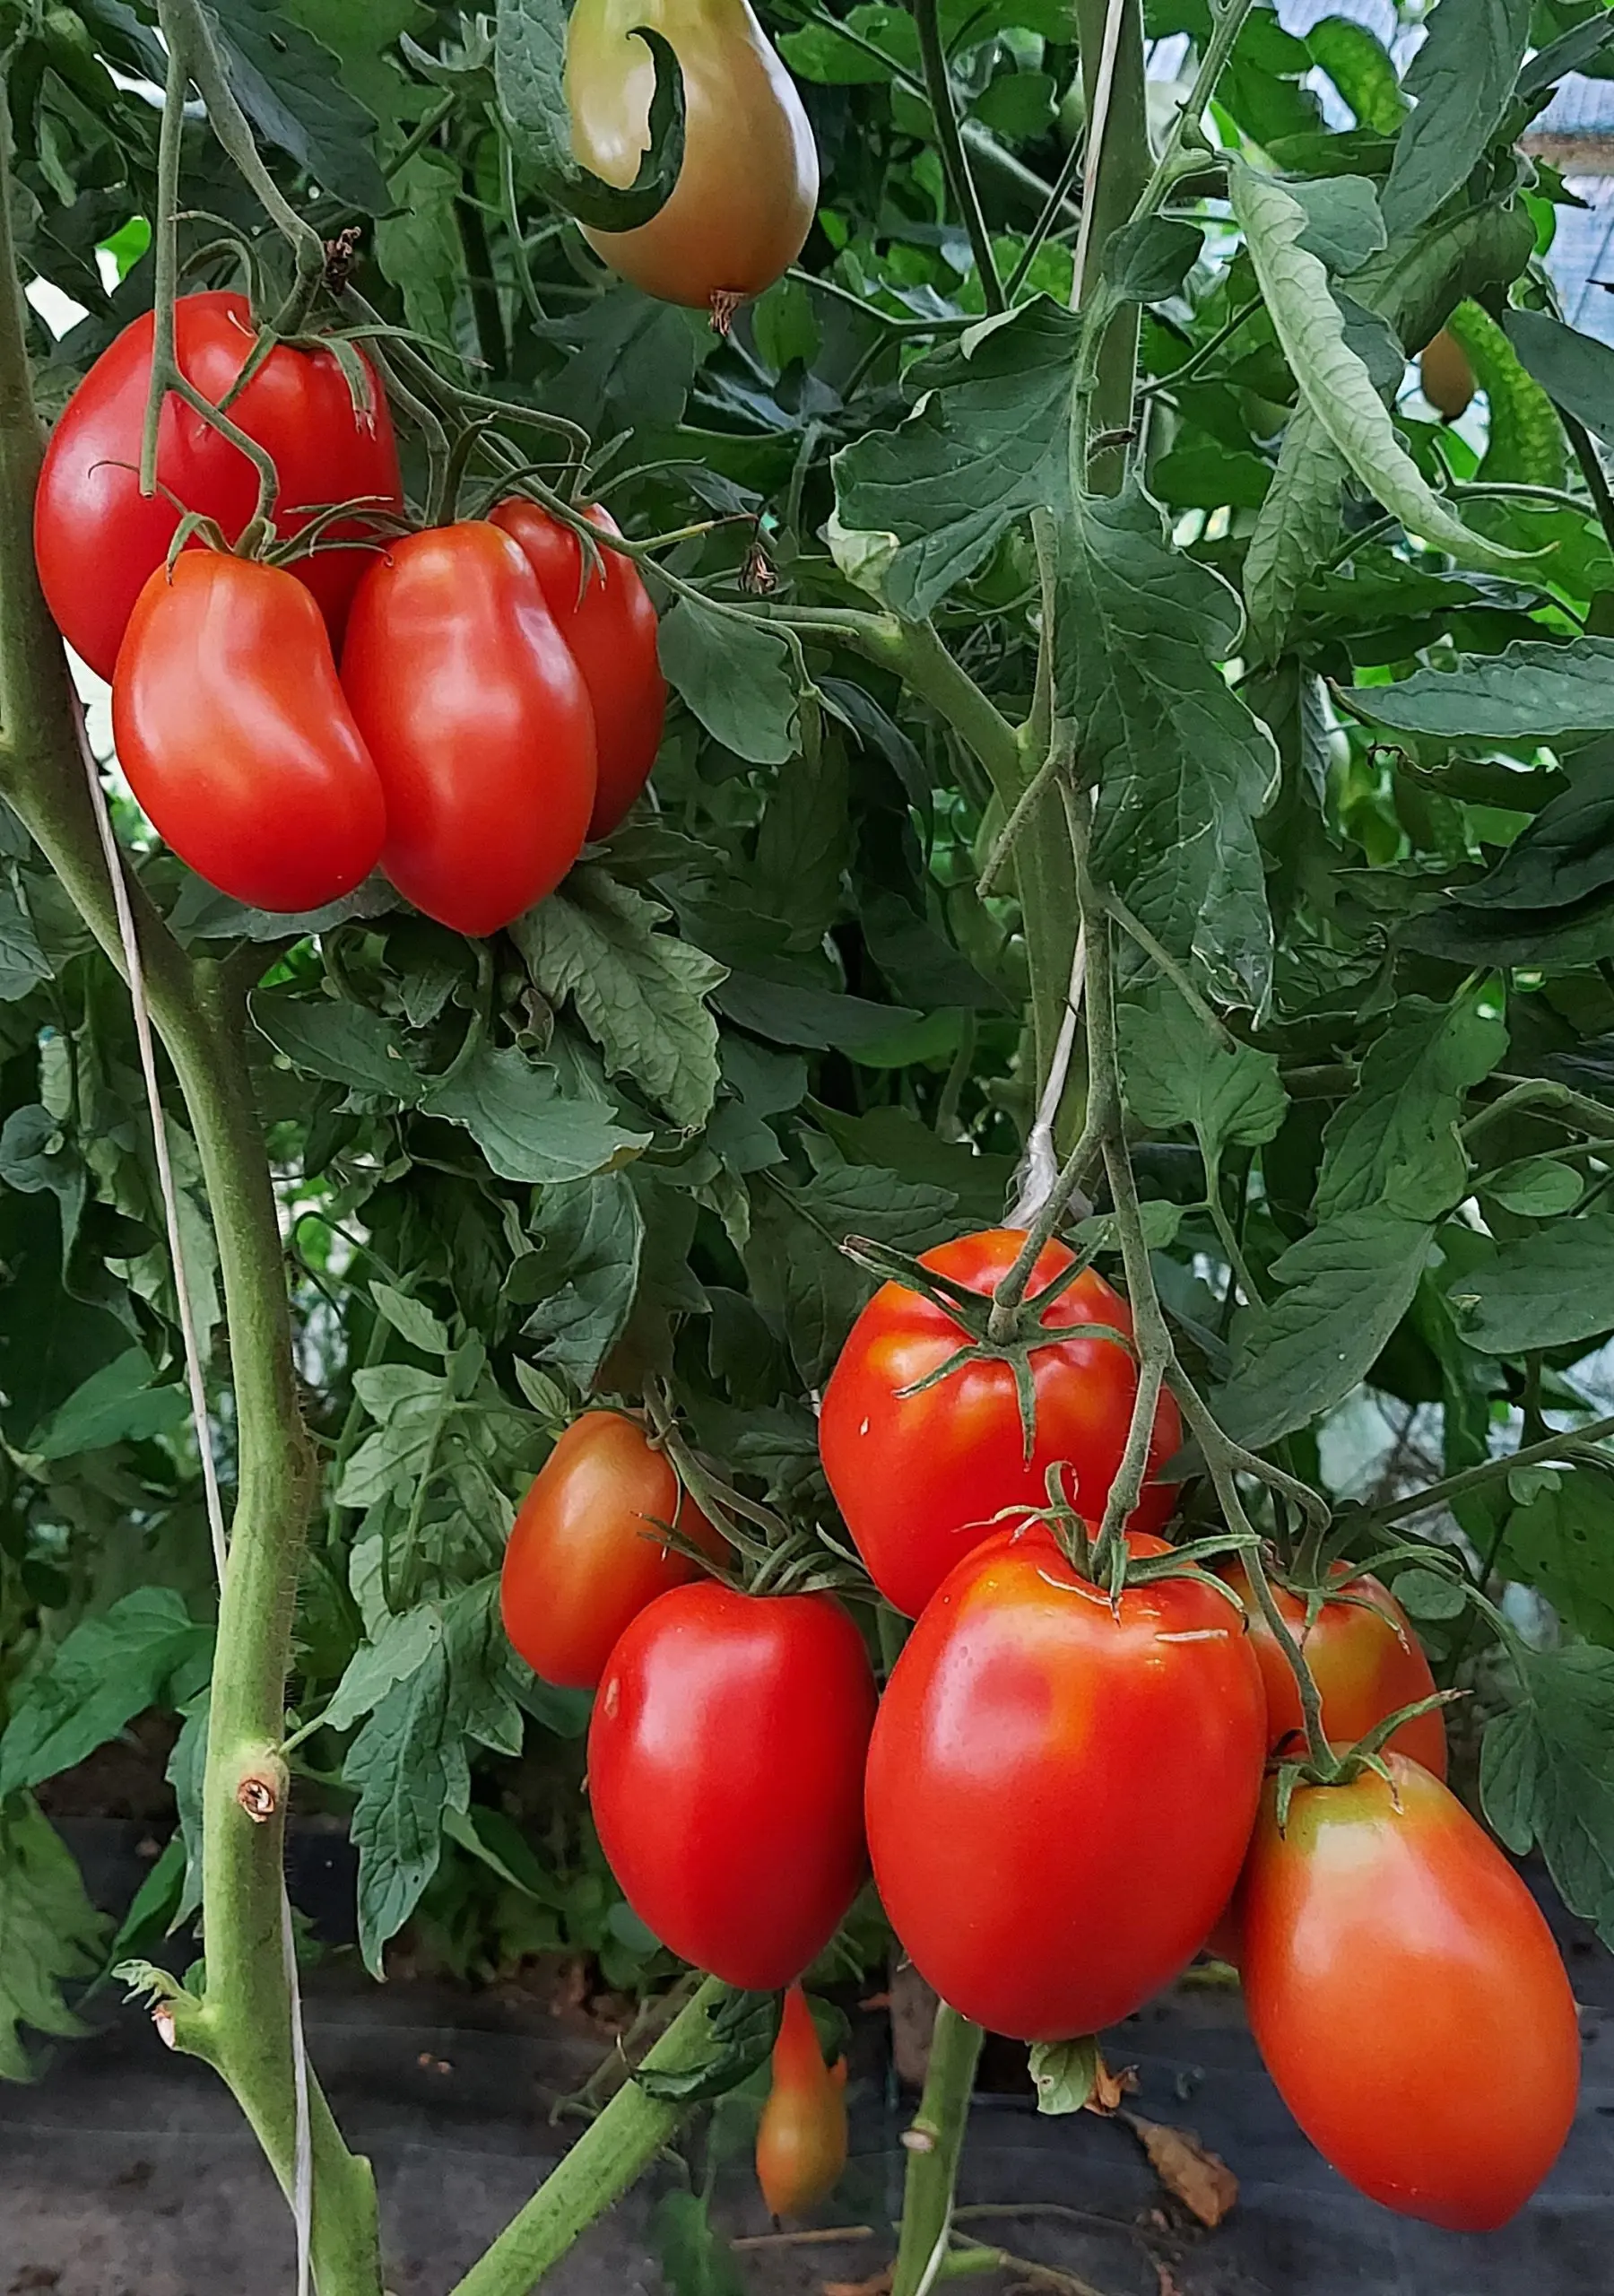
column 1079, row 1773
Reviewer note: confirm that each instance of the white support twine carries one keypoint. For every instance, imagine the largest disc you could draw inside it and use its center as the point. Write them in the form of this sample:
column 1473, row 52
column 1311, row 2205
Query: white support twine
column 1039, row 1166
column 302, row 2183
column 1097, row 123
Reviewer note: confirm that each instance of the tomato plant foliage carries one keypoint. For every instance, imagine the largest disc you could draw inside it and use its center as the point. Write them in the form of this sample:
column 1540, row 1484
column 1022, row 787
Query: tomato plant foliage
column 1324, row 679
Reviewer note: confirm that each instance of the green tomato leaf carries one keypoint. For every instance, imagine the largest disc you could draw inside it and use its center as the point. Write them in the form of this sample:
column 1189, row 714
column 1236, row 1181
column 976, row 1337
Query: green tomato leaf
column 1176, row 1073
column 118, row 1404
column 735, row 676
column 403, row 1646
column 525, row 1127
column 345, row 1042
column 1147, row 261
column 1065, row 2074
column 1333, row 381
column 640, row 993
column 917, row 510
column 1537, row 1187
column 413, row 1319
column 50, row 1934
column 1182, row 767
column 1344, row 224
column 1295, row 532
column 1551, row 1289
column 291, row 89
column 1430, row 1594
column 1394, row 1142
column 1532, row 691
column 1346, row 1286
column 1460, row 81
column 695, row 2259
column 1547, row 1774
column 591, row 1235
column 530, row 72
column 109, row 1668
column 1576, row 370
column 1560, row 1540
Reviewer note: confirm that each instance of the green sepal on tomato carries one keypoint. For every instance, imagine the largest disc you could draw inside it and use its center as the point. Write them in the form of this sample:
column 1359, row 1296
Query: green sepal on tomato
column 1060, row 1790
column 725, row 1768
column 587, row 1549
column 236, row 737
column 605, row 615
column 921, row 1471
column 98, row 540
column 1407, row 1996
column 479, row 722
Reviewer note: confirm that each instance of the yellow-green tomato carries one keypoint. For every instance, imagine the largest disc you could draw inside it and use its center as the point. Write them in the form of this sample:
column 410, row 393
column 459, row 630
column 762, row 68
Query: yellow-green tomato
column 744, row 199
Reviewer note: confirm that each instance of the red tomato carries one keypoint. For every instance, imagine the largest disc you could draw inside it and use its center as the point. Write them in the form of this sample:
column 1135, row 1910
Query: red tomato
column 585, row 1556
column 478, row 723
column 611, row 627
column 801, row 2136
column 1408, row 1997
column 1060, row 1795
column 920, row 1477
column 97, row 541
column 725, row 1761
column 1365, row 1661
column 233, row 732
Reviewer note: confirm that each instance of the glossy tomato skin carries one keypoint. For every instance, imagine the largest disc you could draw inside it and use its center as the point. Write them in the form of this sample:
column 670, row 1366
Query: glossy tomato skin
column 920, row 1478
column 801, row 2136
column 725, row 1760
column 746, row 192
column 478, row 723
column 584, row 1557
column 1059, row 1798
column 1408, row 1997
column 1364, row 1660
column 233, row 732
column 608, row 621
column 98, row 542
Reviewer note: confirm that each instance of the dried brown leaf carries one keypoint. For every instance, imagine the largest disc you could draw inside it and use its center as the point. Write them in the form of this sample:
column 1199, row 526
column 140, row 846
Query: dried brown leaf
column 1192, row 2173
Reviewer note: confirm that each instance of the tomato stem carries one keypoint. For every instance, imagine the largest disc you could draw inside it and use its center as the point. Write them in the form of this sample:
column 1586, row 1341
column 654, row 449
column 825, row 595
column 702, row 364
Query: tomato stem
column 950, row 147
column 933, row 2143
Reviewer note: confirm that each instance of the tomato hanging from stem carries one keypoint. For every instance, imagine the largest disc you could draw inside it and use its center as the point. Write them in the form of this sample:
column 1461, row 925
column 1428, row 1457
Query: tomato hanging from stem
column 801, row 2136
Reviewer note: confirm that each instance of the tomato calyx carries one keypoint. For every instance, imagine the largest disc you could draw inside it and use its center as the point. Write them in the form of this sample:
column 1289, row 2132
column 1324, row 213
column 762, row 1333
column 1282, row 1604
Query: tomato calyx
column 1328, row 1768
column 975, row 1313
column 1111, row 1565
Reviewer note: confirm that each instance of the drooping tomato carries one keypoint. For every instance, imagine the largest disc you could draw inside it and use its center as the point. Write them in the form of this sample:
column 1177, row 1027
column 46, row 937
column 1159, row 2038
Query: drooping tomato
column 725, row 1761
column 585, row 1555
column 1060, row 1793
column 919, row 1477
column 97, row 541
column 1364, row 1660
column 233, row 732
column 478, row 723
column 607, row 619
column 1408, row 1997
column 744, row 199
column 801, row 2136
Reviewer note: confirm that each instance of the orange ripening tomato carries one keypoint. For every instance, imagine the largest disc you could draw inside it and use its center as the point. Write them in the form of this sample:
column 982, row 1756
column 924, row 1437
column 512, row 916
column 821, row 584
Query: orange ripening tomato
column 744, row 200
column 1408, row 1997
column 478, row 723
column 98, row 540
column 607, row 619
column 920, row 1476
column 1060, row 1793
column 1447, row 379
column 232, row 729
column 585, row 1555
column 725, row 1765
column 1364, row 1660
column 801, row 2137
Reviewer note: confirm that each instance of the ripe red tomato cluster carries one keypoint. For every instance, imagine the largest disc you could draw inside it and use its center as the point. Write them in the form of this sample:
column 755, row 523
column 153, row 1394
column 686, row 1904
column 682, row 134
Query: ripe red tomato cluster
column 498, row 702
column 1062, row 1796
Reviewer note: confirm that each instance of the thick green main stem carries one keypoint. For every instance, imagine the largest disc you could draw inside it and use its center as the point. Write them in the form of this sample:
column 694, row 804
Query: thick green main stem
column 935, row 2142
column 1124, row 170
column 605, row 2160
column 244, row 2025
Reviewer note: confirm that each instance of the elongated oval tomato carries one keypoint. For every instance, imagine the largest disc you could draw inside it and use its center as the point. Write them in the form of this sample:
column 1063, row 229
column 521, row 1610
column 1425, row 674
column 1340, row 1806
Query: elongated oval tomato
column 725, row 1761
column 1364, row 1660
column 97, row 540
column 920, row 1476
column 607, row 619
column 1408, row 1997
column 744, row 199
column 801, row 2136
column 478, row 723
column 1060, row 1795
column 585, row 1555
column 233, row 732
